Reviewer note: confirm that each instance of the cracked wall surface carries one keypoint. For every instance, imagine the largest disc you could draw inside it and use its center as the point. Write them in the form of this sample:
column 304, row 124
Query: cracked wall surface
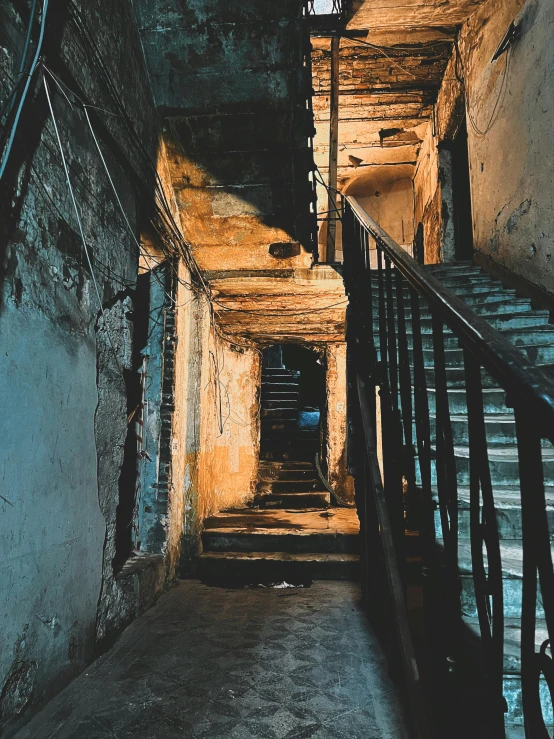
column 63, row 424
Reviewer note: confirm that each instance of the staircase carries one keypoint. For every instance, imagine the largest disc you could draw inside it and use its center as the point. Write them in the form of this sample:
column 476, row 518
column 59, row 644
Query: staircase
column 531, row 331
column 290, row 532
column 281, row 437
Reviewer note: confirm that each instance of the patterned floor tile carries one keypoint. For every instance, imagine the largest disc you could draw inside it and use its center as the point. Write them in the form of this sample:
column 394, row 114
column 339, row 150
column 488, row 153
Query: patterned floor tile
column 218, row 663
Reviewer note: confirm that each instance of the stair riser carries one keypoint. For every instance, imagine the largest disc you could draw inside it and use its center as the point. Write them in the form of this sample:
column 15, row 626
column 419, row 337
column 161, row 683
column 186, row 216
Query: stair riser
column 294, row 543
column 463, row 280
column 512, row 589
column 281, row 404
column 513, row 695
column 294, row 501
column 298, row 486
column 501, row 323
column 279, row 425
column 270, row 397
column 272, row 469
column 519, row 337
column 278, row 413
column 455, row 378
column 455, row 357
column 494, row 401
column 263, row 572
column 283, row 455
column 463, row 290
column 508, row 520
column 279, row 387
column 498, row 433
column 502, row 472
column 498, row 307
column 285, row 475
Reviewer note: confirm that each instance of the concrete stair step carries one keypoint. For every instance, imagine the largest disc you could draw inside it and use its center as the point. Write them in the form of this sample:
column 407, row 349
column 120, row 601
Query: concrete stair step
column 279, row 372
column 512, row 668
column 279, row 424
column 290, row 486
column 535, row 355
column 500, row 429
column 307, row 474
column 304, row 453
column 282, row 404
column 273, row 468
column 461, row 277
column 500, row 322
column 314, row 499
column 277, row 540
column 279, row 387
column 508, row 511
column 270, row 397
column 503, row 464
column 494, row 401
column 535, row 335
column 264, row 567
column 294, row 530
column 511, row 553
column 483, row 304
column 287, row 414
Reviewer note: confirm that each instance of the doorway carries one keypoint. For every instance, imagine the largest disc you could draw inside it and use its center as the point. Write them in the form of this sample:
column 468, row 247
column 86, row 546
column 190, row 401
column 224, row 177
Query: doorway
column 461, row 196
column 292, row 403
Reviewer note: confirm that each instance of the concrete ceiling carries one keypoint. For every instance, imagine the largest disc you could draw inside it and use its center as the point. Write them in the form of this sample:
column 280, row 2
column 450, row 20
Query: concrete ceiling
column 300, row 306
column 393, row 57
column 370, row 14
column 386, row 98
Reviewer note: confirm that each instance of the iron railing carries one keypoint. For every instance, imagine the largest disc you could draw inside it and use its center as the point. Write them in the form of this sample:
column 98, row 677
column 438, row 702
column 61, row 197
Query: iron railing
column 391, row 437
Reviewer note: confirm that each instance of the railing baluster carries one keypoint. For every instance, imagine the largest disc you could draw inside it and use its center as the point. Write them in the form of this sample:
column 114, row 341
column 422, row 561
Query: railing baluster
column 536, row 558
column 484, row 530
column 483, row 347
column 391, row 337
column 405, row 379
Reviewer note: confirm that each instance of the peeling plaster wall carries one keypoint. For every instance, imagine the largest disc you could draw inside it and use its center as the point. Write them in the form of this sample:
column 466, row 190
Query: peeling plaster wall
column 512, row 165
column 64, row 415
column 335, row 414
column 230, row 86
column 230, row 435
column 388, row 198
column 510, row 107
column 427, row 196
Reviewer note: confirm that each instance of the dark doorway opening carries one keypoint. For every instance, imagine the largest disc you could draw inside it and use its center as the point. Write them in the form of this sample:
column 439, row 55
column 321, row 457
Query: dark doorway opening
column 293, row 401
column 461, row 195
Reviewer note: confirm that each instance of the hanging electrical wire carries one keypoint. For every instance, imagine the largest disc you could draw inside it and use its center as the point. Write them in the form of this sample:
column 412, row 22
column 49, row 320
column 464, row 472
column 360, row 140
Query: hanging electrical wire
column 462, row 78
column 79, row 222
column 8, row 147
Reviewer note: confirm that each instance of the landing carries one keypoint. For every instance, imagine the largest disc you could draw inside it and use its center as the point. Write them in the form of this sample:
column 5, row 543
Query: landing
column 333, row 521
column 236, row 664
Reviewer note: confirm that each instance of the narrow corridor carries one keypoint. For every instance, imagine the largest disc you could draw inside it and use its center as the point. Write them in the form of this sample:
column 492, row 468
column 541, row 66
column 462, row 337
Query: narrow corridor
column 234, row 664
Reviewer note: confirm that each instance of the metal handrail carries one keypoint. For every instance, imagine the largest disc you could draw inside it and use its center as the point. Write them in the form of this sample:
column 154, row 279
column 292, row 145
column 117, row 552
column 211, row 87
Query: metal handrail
column 506, row 364
column 386, row 347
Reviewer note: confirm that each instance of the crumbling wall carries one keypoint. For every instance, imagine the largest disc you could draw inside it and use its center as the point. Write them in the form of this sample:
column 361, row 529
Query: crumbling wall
column 386, row 193
column 508, row 105
column 233, row 99
column 65, row 332
column 511, row 136
column 229, row 435
column 427, row 196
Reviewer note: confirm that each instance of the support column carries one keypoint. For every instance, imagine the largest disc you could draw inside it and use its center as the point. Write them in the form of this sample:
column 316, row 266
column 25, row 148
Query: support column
column 335, row 391
column 333, row 151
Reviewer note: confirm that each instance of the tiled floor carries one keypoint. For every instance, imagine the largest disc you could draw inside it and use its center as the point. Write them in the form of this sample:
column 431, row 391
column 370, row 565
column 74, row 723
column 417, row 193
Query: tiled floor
column 235, row 664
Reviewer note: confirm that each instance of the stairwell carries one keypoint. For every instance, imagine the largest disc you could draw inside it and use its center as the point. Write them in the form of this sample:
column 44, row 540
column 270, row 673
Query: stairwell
column 531, row 331
column 290, row 532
